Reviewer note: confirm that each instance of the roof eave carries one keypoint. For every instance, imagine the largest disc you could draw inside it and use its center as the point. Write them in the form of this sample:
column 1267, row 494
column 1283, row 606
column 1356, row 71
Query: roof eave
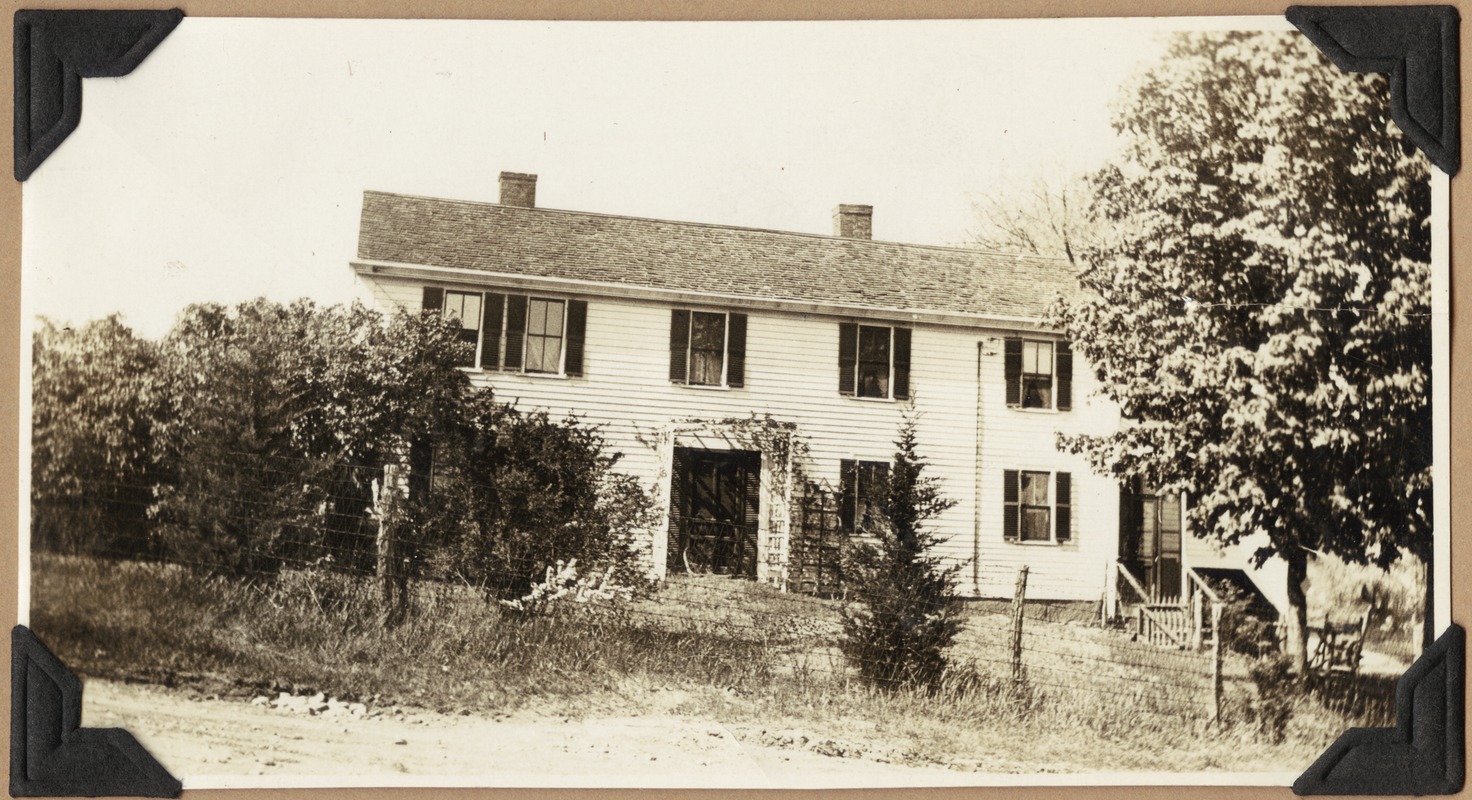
column 481, row 278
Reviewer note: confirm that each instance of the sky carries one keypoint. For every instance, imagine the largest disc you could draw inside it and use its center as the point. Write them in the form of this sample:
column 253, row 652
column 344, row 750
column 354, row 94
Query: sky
column 231, row 164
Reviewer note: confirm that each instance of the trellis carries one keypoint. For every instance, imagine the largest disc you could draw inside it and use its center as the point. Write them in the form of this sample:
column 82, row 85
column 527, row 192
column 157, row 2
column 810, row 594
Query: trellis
column 814, row 563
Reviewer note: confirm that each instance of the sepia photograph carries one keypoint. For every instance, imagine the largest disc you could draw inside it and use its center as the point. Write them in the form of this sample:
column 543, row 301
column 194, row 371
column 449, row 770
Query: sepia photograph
column 735, row 404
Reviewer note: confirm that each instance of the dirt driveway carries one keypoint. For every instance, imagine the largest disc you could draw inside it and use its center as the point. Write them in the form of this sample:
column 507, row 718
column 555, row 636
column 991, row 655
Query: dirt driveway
column 217, row 743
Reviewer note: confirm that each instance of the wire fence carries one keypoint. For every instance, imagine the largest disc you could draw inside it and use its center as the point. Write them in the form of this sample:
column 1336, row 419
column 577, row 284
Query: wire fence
column 340, row 526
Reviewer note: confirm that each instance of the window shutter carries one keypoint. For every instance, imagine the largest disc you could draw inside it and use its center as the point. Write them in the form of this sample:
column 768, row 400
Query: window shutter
column 1063, row 516
column 577, row 329
column 1010, row 508
column 515, row 330
column 1064, row 367
column 679, row 345
column 490, row 331
column 848, row 480
column 1012, row 367
column 736, row 351
column 902, row 363
column 434, row 299
column 848, row 357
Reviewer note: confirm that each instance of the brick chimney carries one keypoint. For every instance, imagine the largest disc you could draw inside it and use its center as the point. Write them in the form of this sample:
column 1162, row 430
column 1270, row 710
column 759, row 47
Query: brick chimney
column 518, row 189
column 853, row 222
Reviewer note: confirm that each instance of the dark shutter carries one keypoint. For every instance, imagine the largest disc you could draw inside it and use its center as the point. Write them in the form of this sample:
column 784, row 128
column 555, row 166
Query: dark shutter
column 1063, row 518
column 1064, row 367
column 577, row 329
column 1010, row 512
column 848, row 480
column 490, row 331
column 434, row 299
column 679, row 345
column 848, row 356
column 1012, row 367
column 736, row 351
column 902, row 363
column 515, row 330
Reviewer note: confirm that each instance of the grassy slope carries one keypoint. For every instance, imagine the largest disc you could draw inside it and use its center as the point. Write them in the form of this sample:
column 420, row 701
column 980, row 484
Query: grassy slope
column 733, row 652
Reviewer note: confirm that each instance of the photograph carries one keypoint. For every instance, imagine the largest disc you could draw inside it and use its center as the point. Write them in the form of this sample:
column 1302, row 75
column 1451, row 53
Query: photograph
column 735, row 404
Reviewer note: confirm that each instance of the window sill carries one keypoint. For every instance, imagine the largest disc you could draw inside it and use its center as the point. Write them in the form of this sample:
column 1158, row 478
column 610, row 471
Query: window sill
column 704, row 387
column 555, row 376
column 869, row 399
column 1037, row 410
column 1050, row 543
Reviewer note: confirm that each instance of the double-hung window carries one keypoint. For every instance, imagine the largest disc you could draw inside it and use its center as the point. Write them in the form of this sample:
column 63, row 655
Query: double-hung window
column 707, row 348
column 1039, row 374
column 873, row 361
column 465, row 309
column 865, row 493
column 515, row 332
column 1037, row 506
column 544, row 334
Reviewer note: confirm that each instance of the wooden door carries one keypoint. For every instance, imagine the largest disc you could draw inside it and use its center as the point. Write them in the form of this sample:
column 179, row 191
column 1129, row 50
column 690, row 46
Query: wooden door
column 1150, row 541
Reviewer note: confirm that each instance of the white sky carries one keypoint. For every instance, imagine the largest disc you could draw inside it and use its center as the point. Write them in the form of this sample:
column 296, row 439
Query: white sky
column 232, row 162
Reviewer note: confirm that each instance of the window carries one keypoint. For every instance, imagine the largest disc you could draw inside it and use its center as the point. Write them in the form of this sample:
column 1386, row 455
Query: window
column 513, row 332
column 707, row 348
column 865, row 486
column 1037, row 506
column 544, row 335
column 464, row 307
column 873, row 361
column 1039, row 374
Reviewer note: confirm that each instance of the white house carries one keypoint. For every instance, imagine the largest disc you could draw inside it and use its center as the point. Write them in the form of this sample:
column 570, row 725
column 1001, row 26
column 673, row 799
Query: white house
column 734, row 366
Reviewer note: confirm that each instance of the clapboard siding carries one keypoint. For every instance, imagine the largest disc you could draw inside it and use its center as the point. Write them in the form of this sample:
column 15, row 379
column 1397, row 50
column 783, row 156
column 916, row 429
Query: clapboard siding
column 792, row 374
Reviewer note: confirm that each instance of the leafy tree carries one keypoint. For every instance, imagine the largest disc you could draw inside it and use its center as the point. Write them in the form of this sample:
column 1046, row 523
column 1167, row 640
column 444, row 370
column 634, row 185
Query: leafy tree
column 907, row 611
column 93, row 391
column 277, row 420
column 1259, row 307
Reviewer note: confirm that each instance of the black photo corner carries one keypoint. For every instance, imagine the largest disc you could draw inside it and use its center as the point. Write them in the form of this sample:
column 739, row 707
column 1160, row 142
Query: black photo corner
column 1415, row 46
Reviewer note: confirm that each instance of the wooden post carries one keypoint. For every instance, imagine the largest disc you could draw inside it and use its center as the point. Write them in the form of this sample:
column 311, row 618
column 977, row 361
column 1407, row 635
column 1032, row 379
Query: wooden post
column 386, row 508
column 1197, row 599
column 1017, row 598
column 1216, row 662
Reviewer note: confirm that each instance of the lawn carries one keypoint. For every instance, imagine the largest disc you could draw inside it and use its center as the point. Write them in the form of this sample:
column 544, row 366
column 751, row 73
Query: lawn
column 737, row 652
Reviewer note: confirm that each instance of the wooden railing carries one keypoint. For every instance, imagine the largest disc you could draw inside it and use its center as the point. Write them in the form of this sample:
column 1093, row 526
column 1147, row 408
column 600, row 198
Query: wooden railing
column 1202, row 606
column 1184, row 622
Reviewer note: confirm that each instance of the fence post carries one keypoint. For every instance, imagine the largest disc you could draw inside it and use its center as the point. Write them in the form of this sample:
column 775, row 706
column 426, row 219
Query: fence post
column 386, row 508
column 1017, row 598
column 1216, row 662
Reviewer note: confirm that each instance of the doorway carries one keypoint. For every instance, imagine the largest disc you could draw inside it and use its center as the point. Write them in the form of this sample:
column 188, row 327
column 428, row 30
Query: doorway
column 715, row 511
column 1150, row 540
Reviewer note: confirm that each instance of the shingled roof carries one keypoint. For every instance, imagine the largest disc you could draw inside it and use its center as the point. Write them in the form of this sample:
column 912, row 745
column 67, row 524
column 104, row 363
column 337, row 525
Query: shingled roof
column 745, row 262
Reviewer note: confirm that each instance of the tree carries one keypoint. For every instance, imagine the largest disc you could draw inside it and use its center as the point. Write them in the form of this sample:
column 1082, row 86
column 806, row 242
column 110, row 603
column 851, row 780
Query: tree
column 907, row 610
column 278, row 419
column 93, row 394
column 1259, row 308
column 1048, row 218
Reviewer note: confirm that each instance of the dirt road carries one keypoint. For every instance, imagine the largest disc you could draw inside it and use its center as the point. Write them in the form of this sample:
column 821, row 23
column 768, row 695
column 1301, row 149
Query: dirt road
column 214, row 743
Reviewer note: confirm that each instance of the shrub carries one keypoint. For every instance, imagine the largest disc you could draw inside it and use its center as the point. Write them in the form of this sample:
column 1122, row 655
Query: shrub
column 514, row 493
column 1268, row 667
column 906, row 610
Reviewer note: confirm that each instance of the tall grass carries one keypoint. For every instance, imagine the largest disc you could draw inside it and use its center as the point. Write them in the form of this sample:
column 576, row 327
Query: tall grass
column 734, row 652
